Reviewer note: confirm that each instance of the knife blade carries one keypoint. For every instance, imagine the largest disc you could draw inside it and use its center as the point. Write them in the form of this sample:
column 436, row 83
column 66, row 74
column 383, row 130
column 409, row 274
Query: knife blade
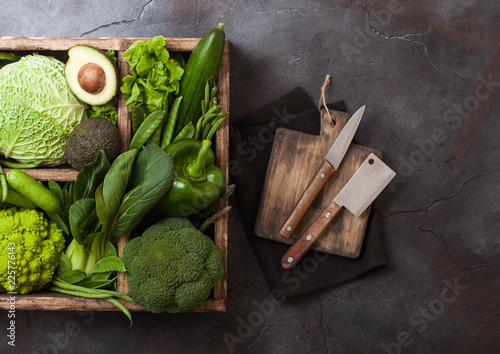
column 331, row 163
column 357, row 194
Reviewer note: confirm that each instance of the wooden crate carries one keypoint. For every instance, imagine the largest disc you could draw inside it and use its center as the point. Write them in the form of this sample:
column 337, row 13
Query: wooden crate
column 58, row 47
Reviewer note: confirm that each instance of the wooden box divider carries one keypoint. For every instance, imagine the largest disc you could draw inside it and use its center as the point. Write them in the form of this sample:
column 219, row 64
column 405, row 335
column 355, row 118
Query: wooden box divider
column 51, row 301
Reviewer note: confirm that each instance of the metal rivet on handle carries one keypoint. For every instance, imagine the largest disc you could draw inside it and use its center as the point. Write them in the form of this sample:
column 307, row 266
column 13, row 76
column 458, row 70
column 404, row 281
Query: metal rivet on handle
column 322, row 175
column 309, row 237
column 289, row 259
column 328, row 215
column 289, row 228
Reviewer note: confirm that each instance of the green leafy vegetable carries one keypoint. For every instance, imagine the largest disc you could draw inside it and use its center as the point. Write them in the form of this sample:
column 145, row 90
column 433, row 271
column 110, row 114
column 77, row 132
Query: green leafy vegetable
column 39, row 82
column 107, row 111
column 112, row 54
column 113, row 205
column 153, row 75
column 152, row 176
column 90, row 177
column 29, row 136
column 37, row 110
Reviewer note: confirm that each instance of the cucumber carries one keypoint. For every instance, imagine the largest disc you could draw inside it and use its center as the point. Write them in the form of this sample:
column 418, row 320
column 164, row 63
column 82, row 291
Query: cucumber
column 34, row 191
column 18, row 199
column 202, row 65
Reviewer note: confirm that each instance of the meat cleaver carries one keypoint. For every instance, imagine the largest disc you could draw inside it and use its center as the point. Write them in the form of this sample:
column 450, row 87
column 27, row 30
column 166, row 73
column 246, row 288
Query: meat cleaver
column 358, row 193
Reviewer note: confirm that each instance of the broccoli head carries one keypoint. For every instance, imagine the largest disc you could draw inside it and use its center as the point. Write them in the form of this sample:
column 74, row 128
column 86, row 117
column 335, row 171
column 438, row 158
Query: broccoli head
column 30, row 247
column 172, row 267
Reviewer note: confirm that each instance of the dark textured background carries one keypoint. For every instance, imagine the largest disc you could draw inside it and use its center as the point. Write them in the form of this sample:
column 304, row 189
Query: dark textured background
column 428, row 73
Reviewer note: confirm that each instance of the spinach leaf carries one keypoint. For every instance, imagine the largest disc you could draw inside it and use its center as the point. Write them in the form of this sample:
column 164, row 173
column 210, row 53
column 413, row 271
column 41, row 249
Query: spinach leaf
column 116, row 180
column 100, row 208
column 82, row 214
column 152, row 178
column 90, row 176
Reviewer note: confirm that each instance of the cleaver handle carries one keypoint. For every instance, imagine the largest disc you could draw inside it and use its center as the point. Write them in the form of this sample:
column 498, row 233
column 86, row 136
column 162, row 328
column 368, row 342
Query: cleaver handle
column 319, row 180
column 304, row 242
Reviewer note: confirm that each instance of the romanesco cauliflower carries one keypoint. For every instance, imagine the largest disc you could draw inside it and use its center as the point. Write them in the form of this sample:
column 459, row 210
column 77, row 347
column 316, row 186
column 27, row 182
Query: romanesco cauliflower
column 30, row 247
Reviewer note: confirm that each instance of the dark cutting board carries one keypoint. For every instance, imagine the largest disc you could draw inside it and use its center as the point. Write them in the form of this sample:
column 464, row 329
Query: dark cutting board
column 295, row 158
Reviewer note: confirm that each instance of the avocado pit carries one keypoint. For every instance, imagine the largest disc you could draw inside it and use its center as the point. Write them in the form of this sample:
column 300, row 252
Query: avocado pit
column 91, row 74
column 92, row 78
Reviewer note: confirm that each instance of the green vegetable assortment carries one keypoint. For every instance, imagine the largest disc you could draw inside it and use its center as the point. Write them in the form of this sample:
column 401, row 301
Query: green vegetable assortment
column 168, row 170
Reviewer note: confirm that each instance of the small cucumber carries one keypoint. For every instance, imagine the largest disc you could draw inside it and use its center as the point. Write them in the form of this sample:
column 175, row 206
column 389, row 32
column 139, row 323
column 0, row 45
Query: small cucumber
column 34, row 191
column 202, row 65
column 18, row 199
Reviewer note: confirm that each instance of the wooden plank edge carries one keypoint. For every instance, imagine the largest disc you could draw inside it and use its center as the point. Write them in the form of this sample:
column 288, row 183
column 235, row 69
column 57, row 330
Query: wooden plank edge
column 57, row 174
column 10, row 43
column 222, row 157
column 124, row 122
column 51, row 301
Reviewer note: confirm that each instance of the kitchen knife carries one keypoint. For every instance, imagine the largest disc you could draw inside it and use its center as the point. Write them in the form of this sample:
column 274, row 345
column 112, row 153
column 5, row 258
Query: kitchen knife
column 324, row 173
column 358, row 193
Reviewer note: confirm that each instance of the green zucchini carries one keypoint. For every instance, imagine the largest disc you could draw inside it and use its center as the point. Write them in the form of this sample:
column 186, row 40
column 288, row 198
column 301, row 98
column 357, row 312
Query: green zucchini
column 202, row 65
column 34, row 191
column 18, row 199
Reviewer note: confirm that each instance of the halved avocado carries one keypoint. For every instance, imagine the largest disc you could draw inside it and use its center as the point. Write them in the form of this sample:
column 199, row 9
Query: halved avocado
column 91, row 74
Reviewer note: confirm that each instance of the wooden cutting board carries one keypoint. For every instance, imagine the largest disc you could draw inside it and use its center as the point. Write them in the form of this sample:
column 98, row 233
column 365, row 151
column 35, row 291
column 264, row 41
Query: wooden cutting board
column 295, row 158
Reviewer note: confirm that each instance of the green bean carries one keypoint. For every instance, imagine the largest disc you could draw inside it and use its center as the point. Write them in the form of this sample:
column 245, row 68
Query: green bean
column 213, row 93
column 197, row 130
column 205, row 132
column 205, row 102
column 168, row 129
column 186, row 132
column 65, row 285
column 209, row 117
column 154, row 139
column 96, row 283
column 12, row 164
column 146, row 129
column 96, row 294
column 121, row 307
column 137, row 116
column 214, row 128
column 78, row 293
column 3, row 184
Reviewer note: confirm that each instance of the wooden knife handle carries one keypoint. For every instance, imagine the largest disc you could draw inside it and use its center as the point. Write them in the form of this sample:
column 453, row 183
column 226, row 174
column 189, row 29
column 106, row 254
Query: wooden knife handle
column 324, row 173
column 304, row 242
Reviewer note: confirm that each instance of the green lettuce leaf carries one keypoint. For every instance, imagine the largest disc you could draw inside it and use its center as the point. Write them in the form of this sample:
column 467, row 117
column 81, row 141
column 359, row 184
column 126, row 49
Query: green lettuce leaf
column 153, row 74
column 107, row 111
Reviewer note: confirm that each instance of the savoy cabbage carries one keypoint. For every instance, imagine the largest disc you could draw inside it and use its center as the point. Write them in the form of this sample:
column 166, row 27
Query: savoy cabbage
column 37, row 110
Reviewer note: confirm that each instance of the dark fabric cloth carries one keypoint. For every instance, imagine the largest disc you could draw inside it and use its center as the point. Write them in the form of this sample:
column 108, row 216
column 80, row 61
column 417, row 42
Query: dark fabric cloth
column 250, row 148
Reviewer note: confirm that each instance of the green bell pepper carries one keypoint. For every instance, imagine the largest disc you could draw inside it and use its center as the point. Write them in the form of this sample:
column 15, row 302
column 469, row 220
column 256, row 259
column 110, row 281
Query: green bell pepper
column 198, row 183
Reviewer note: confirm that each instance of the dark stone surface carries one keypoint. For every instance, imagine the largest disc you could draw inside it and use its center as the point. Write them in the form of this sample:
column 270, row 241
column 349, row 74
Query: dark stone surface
column 429, row 74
